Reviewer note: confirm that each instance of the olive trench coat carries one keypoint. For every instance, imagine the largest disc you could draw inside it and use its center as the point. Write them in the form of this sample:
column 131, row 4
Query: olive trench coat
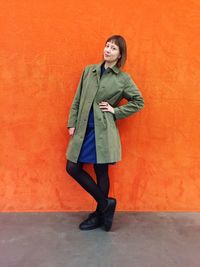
column 113, row 86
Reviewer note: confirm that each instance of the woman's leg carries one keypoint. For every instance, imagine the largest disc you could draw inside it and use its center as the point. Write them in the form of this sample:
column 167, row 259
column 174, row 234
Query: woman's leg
column 103, row 182
column 86, row 181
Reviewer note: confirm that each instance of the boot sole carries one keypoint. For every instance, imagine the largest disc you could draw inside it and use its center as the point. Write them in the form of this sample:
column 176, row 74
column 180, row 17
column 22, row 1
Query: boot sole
column 90, row 228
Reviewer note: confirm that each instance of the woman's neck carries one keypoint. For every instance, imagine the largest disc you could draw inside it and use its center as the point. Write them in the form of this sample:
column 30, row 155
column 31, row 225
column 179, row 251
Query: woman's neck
column 108, row 64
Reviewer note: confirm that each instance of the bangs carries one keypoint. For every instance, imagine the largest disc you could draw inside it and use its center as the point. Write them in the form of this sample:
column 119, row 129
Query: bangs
column 113, row 40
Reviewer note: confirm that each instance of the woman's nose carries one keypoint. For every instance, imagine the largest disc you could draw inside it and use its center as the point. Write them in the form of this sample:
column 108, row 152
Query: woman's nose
column 108, row 50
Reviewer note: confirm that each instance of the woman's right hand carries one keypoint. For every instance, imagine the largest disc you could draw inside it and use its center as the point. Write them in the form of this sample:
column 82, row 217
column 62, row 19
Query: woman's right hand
column 71, row 131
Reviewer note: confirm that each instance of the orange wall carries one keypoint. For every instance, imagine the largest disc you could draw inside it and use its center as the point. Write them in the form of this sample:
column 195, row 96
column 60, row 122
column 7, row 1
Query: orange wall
column 44, row 47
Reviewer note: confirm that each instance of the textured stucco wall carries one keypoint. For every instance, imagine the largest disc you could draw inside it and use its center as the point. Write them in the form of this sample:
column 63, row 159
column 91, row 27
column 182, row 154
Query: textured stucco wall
column 44, row 47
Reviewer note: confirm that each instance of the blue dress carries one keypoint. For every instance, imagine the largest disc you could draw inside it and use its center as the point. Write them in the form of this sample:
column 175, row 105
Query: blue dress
column 88, row 149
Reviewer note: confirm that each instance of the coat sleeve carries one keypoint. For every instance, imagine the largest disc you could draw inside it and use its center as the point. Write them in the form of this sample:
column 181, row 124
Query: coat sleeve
column 73, row 114
column 135, row 100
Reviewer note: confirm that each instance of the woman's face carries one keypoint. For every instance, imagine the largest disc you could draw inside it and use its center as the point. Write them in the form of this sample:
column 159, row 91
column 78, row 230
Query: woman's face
column 111, row 52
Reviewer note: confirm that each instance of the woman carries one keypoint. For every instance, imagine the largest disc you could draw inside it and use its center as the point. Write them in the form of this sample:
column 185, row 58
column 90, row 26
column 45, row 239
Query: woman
column 92, row 127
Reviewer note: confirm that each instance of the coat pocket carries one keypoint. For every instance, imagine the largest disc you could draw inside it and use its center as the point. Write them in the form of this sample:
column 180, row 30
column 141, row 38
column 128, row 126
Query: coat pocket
column 109, row 119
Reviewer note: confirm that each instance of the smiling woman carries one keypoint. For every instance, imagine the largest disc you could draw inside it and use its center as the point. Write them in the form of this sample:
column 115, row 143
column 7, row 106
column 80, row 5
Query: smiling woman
column 115, row 49
column 111, row 52
column 91, row 124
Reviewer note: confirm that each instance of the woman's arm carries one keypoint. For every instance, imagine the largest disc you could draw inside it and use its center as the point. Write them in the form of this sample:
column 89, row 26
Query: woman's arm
column 135, row 100
column 72, row 119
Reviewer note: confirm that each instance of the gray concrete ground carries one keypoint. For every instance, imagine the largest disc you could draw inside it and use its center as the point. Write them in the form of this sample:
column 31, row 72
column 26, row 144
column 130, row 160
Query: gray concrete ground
column 137, row 239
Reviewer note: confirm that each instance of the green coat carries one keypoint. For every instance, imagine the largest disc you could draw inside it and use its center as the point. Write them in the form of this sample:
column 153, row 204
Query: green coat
column 112, row 87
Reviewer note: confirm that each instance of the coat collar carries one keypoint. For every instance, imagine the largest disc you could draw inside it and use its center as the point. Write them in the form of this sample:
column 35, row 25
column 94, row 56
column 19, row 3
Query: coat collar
column 97, row 68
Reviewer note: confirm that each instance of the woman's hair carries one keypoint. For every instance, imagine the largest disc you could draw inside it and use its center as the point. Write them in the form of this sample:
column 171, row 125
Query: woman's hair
column 121, row 43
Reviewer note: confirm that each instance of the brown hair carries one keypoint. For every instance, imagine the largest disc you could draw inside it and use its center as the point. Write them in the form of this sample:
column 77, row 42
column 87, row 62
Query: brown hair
column 121, row 43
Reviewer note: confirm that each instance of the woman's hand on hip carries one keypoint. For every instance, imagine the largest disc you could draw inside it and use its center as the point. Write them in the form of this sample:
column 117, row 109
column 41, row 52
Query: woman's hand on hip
column 71, row 131
column 105, row 106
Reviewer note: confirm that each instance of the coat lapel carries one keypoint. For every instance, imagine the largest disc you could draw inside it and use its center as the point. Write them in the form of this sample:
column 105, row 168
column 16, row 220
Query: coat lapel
column 97, row 70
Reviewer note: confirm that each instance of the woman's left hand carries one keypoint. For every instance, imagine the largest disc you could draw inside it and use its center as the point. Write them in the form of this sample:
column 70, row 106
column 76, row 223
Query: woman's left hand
column 105, row 106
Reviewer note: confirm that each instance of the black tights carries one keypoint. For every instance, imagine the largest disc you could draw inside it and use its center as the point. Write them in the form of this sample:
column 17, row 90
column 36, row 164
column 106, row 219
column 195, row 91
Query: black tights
column 99, row 191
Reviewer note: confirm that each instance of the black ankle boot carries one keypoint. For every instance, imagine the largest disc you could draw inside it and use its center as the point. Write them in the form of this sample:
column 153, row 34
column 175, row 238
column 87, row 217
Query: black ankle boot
column 93, row 221
column 108, row 213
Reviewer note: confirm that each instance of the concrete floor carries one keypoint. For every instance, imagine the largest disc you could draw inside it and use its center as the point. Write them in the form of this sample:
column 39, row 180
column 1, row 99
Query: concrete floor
column 143, row 239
